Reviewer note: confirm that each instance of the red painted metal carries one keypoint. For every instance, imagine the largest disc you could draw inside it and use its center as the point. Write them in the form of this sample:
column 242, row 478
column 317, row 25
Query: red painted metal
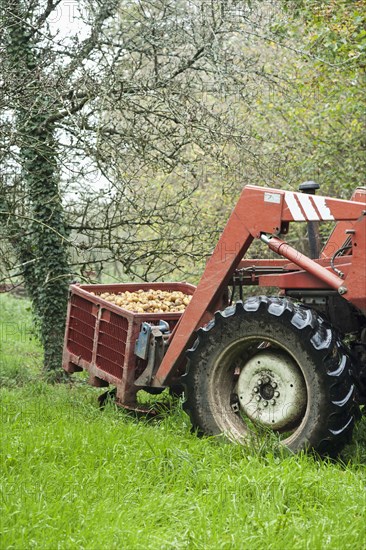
column 265, row 211
column 283, row 274
column 339, row 209
column 100, row 336
column 296, row 279
column 232, row 246
column 355, row 279
column 338, row 236
column 284, row 249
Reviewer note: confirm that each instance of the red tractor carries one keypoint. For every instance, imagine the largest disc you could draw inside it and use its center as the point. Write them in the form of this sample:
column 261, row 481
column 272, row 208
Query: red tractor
column 293, row 363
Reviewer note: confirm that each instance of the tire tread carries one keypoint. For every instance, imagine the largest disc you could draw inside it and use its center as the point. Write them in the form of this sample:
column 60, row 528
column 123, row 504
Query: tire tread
column 335, row 428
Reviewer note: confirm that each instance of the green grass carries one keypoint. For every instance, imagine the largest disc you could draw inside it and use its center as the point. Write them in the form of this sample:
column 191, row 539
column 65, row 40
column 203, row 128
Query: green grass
column 20, row 353
column 76, row 477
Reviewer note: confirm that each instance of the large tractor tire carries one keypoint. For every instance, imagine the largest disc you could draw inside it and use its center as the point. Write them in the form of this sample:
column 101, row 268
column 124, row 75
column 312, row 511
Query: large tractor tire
column 268, row 364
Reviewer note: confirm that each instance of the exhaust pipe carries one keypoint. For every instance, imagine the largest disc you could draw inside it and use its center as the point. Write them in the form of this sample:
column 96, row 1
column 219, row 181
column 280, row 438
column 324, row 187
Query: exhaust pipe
column 309, row 188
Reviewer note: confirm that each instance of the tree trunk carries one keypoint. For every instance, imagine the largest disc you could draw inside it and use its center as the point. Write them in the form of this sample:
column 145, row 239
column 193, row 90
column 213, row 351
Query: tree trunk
column 46, row 276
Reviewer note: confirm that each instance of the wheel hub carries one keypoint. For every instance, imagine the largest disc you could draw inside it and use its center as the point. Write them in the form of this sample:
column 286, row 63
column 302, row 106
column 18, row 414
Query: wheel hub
column 271, row 390
column 266, row 391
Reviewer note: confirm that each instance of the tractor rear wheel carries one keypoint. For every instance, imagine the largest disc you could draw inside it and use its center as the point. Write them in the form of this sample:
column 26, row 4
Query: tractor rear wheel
column 269, row 364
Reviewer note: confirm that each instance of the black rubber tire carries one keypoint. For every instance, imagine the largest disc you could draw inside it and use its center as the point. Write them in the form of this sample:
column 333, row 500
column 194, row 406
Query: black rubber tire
column 152, row 391
column 327, row 418
column 109, row 395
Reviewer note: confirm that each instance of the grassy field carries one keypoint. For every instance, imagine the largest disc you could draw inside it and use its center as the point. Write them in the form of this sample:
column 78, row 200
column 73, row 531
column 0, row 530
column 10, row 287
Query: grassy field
column 76, row 477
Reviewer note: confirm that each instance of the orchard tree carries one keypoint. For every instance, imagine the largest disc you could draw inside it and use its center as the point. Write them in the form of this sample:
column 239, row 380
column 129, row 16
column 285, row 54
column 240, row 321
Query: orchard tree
column 130, row 95
column 313, row 126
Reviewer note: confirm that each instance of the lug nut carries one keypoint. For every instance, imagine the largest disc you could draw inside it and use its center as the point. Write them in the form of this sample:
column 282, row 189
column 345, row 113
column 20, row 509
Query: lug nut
column 260, row 382
column 276, row 393
column 256, row 390
column 274, row 385
column 273, row 402
column 266, row 379
column 258, row 398
column 265, row 404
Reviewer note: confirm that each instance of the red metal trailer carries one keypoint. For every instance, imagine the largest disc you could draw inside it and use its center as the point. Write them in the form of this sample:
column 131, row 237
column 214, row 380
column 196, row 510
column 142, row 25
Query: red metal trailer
column 293, row 363
column 101, row 337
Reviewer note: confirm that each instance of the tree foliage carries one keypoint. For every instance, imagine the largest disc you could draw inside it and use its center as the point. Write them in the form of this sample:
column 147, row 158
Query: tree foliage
column 132, row 99
column 125, row 142
column 322, row 118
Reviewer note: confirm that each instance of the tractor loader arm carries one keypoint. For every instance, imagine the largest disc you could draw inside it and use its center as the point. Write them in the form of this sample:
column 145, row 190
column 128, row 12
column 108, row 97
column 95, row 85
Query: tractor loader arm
column 267, row 212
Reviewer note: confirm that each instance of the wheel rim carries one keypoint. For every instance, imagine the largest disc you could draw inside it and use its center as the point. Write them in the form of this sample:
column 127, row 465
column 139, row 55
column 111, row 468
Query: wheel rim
column 272, row 390
column 236, row 374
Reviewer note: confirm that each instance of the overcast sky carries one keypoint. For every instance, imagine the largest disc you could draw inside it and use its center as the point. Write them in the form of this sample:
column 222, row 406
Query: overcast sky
column 65, row 20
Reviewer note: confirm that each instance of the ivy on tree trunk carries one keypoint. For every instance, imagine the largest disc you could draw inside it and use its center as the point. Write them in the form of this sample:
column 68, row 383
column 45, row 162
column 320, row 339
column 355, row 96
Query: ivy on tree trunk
column 42, row 245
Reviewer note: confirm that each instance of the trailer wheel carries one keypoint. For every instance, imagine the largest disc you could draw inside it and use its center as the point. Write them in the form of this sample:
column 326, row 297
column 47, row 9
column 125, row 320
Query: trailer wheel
column 269, row 364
